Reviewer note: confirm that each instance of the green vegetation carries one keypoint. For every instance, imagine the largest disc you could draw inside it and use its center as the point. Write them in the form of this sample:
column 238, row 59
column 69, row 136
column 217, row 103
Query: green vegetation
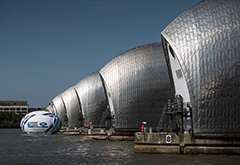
column 10, row 120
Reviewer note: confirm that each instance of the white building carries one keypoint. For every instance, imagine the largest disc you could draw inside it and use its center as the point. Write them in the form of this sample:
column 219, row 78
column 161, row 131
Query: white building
column 14, row 106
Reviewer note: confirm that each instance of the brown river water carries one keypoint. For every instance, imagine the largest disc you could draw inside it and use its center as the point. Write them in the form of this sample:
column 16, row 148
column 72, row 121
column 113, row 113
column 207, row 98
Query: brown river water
column 17, row 147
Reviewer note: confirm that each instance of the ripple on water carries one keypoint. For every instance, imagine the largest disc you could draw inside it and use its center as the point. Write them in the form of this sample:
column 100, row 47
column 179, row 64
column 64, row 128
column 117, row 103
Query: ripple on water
column 19, row 148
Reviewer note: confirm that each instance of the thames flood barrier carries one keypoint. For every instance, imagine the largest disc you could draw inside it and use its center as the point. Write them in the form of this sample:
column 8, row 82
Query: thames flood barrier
column 179, row 138
column 196, row 65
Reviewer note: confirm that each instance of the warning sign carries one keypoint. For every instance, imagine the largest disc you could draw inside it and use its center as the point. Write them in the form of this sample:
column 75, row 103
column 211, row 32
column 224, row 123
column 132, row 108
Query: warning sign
column 168, row 139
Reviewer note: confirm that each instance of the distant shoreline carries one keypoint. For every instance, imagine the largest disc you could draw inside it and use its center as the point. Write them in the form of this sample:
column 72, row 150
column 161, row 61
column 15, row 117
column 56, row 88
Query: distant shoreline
column 9, row 126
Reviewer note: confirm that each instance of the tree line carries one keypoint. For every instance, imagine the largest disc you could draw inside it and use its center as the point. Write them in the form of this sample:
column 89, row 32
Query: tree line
column 10, row 120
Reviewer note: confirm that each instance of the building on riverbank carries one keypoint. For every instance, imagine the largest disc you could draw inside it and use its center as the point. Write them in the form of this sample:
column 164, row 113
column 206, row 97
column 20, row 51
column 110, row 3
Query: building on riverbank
column 14, row 106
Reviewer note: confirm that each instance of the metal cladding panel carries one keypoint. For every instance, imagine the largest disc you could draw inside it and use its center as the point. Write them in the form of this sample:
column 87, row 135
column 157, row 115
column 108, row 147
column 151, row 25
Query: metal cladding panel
column 50, row 109
column 93, row 99
column 54, row 110
column 206, row 40
column 73, row 109
column 138, row 82
column 59, row 107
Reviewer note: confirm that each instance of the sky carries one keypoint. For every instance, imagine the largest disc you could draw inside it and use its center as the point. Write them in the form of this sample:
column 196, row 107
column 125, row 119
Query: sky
column 47, row 46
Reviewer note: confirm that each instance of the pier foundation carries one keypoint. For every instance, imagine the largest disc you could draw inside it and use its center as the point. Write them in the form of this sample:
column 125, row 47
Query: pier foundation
column 70, row 131
column 112, row 135
column 186, row 143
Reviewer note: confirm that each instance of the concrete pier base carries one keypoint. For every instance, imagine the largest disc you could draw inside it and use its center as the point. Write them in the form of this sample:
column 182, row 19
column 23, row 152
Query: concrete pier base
column 186, row 143
column 121, row 138
column 112, row 135
column 70, row 131
column 156, row 149
column 94, row 137
column 211, row 150
column 105, row 137
column 161, row 149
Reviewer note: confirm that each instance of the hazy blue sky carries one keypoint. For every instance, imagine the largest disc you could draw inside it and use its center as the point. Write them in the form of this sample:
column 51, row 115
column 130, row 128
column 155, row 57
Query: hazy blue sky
column 46, row 46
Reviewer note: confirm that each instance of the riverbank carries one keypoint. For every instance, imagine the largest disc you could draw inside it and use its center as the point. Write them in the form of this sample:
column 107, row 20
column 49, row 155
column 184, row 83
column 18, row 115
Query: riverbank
column 10, row 120
column 9, row 126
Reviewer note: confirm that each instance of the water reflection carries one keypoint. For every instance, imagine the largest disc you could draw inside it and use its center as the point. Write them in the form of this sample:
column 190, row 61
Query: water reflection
column 19, row 148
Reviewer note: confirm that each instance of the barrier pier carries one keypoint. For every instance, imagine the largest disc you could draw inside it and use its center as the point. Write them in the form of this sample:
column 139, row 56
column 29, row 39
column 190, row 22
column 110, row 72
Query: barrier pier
column 186, row 143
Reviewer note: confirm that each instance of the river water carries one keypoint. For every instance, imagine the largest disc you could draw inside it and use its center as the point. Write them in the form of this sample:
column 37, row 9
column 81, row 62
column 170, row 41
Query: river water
column 17, row 147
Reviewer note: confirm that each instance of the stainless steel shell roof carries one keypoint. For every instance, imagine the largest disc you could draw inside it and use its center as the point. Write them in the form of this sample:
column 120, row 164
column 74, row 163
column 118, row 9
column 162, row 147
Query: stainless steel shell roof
column 206, row 41
column 59, row 108
column 139, row 85
column 72, row 105
column 93, row 99
column 50, row 108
